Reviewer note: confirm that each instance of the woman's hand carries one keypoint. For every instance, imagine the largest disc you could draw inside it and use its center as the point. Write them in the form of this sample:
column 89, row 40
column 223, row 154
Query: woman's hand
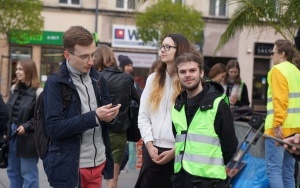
column 232, row 100
column 21, row 130
column 164, row 157
column 153, row 151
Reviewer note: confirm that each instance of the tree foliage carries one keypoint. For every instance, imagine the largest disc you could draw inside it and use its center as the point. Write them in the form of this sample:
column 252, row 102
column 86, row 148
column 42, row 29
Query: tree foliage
column 281, row 15
column 21, row 17
column 166, row 17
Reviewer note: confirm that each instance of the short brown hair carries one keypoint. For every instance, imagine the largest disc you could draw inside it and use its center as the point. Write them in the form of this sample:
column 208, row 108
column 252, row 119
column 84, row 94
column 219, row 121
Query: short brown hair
column 105, row 58
column 290, row 52
column 30, row 71
column 195, row 57
column 77, row 35
column 186, row 57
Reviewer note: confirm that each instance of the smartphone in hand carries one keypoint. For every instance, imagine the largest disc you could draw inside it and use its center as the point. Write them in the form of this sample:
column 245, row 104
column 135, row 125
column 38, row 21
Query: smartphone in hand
column 281, row 142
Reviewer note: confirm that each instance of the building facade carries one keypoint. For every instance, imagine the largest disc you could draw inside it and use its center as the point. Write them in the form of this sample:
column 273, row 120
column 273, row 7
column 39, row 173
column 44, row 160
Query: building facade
column 112, row 22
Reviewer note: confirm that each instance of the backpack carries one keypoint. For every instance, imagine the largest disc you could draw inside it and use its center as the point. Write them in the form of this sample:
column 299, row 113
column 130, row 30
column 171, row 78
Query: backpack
column 42, row 139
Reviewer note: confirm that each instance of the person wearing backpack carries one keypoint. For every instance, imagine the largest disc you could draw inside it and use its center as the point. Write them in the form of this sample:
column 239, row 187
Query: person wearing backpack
column 120, row 86
column 22, row 167
column 79, row 149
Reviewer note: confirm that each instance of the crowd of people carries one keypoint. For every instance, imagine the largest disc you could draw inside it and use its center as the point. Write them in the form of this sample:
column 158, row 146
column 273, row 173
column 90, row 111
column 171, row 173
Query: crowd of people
column 184, row 119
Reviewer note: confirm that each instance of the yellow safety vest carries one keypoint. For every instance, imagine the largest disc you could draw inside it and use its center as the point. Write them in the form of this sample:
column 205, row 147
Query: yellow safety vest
column 292, row 74
column 197, row 148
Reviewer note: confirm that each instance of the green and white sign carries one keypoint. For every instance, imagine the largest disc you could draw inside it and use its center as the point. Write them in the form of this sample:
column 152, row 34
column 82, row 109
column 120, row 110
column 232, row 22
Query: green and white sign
column 46, row 38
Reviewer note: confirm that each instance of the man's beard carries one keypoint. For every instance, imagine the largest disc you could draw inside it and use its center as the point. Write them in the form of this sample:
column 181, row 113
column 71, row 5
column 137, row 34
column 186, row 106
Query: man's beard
column 191, row 87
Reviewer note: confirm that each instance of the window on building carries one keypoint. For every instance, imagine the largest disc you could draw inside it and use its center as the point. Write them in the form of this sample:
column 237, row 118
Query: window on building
column 218, row 7
column 70, row 2
column 50, row 61
column 126, row 4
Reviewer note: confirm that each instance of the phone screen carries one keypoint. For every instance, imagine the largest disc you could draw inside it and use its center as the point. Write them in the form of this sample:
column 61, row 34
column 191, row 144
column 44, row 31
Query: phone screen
column 282, row 142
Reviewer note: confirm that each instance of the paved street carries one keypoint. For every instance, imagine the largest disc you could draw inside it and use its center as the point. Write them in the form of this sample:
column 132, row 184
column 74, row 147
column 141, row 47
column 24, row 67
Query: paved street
column 126, row 180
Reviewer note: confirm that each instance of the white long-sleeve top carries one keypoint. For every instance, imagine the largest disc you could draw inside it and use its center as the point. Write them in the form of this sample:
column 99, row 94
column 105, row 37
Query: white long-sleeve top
column 156, row 125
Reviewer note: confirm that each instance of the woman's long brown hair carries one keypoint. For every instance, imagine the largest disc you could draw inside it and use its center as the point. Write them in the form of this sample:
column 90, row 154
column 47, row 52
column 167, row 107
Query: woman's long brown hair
column 158, row 86
column 30, row 71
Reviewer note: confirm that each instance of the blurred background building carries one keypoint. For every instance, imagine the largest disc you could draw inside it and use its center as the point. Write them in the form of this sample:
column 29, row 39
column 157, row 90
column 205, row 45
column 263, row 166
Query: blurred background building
column 112, row 22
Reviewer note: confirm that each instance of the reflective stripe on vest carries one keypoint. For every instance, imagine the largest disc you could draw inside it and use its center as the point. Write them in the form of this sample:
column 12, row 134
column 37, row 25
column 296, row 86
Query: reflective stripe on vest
column 292, row 75
column 197, row 148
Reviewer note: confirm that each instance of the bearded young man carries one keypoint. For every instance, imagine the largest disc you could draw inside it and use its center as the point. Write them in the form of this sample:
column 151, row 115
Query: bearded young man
column 203, row 124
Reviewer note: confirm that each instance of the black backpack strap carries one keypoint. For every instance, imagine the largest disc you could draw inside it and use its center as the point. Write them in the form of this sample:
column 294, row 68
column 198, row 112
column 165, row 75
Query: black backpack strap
column 66, row 95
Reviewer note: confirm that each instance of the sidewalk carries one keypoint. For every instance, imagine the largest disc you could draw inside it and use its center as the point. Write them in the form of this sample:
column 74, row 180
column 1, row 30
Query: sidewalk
column 126, row 179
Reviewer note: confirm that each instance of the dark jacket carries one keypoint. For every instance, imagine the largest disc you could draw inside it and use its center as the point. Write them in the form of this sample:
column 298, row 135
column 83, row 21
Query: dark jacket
column 3, row 117
column 26, row 142
column 120, row 85
column 244, row 100
column 61, row 163
column 223, row 123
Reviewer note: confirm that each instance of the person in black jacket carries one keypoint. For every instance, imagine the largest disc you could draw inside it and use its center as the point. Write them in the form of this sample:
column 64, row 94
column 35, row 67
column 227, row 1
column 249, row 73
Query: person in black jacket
column 3, row 116
column 235, row 89
column 203, row 128
column 120, row 85
column 79, row 151
column 22, row 167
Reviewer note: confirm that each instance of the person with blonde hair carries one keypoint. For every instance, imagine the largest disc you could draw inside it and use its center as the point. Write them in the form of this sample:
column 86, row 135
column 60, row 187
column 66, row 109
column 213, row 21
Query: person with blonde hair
column 22, row 167
column 154, row 66
column 121, row 90
column 154, row 119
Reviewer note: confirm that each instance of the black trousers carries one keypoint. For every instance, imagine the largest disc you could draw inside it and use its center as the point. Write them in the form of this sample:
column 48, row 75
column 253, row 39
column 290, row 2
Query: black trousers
column 185, row 180
column 153, row 175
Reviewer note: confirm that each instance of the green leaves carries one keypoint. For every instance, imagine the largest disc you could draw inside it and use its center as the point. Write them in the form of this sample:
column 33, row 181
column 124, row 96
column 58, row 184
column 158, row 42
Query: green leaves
column 21, row 15
column 281, row 15
column 166, row 17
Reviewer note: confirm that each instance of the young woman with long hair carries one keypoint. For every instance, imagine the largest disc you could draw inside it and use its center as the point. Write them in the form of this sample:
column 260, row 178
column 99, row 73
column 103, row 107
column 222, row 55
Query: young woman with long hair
column 154, row 120
column 22, row 167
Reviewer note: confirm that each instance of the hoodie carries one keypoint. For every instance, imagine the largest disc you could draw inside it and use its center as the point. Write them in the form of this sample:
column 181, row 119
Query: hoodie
column 223, row 123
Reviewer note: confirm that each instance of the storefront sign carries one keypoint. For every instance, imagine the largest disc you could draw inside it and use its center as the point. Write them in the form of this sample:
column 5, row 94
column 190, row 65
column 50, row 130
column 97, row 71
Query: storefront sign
column 142, row 60
column 47, row 38
column 128, row 37
column 263, row 49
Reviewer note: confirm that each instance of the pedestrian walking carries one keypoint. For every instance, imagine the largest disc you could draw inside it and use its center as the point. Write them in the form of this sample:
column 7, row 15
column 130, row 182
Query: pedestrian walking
column 79, row 151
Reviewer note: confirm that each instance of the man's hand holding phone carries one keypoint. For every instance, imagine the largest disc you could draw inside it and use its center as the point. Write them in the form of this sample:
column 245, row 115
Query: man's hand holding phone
column 108, row 112
column 295, row 140
column 291, row 144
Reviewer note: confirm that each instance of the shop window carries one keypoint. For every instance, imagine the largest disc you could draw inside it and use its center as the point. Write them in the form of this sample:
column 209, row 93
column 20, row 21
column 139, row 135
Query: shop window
column 260, row 85
column 50, row 61
column 70, row 2
column 218, row 7
column 20, row 52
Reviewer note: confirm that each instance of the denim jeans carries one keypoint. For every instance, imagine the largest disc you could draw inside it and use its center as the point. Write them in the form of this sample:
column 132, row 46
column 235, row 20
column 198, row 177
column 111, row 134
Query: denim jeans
column 21, row 171
column 280, row 166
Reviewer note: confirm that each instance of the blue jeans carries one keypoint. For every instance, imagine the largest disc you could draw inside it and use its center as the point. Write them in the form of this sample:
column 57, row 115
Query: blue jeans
column 280, row 166
column 21, row 171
